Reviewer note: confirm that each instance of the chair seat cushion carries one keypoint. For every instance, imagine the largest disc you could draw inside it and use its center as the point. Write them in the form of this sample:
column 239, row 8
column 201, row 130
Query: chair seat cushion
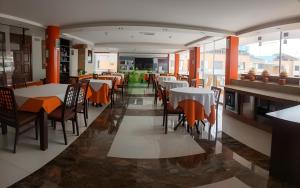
column 57, row 114
column 23, row 118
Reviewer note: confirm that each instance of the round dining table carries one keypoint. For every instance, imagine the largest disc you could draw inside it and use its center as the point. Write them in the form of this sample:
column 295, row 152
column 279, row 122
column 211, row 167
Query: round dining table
column 174, row 84
column 197, row 103
column 161, row 79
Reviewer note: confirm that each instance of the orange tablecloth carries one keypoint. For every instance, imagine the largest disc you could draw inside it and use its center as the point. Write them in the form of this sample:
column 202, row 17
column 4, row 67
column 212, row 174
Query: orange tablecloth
column 111, row 77
column 193, row 111
column 49, row 104
column 101, row 96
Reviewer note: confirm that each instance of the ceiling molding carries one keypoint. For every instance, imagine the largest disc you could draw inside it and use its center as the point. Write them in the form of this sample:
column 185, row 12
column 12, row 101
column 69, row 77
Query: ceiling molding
column 143, row 44
column 10, row 17
column 146, row 24
column 196, row 41
column 276, row 23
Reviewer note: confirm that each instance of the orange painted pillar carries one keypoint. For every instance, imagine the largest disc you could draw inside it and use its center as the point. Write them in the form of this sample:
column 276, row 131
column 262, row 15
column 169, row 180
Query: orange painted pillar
column 53, row 55
column 176, row 66
column 194, row 63
column 232, row 53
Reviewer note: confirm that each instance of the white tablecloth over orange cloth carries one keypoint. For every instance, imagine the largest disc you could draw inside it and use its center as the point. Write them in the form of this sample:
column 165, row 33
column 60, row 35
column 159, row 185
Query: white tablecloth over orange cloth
column 197, row 103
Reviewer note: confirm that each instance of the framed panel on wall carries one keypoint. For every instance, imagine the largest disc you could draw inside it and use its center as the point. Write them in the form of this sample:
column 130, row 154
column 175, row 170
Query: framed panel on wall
column 90, row 56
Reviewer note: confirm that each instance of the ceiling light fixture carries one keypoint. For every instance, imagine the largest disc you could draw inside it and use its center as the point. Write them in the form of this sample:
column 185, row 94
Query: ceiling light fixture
column 259, row 41
column 285, row 37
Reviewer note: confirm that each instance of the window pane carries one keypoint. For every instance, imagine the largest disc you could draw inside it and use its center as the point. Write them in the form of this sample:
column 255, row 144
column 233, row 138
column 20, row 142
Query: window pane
column 171, row 63
column 290, row 58
column 259, row 55
column 184, row 62
column 106, row 62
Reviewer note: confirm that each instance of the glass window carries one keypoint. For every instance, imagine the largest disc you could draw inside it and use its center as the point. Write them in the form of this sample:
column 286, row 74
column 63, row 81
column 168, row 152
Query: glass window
column 259, row 53
column 184, row 62
column 106, row 62
column 171, row 63
column 290, row 56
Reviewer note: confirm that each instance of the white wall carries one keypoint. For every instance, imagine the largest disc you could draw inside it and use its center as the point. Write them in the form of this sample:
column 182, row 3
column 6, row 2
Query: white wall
column 37, row 71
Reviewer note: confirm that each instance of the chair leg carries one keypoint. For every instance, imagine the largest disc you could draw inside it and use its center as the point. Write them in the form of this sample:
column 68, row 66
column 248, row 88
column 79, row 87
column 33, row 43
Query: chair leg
column 209, row 132
column 216, row 123
column 166, row 124
column 16, row 139
column 86, row 109
column 85, row 119
column 76, row 123
column 4, row 128
column 36, row 127
column 73, row 125
column 64, row 131
column 197, row 127
column 164, row 119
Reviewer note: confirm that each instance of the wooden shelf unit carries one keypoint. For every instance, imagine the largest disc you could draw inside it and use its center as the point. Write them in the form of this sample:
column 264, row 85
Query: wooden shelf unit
column 65, row 46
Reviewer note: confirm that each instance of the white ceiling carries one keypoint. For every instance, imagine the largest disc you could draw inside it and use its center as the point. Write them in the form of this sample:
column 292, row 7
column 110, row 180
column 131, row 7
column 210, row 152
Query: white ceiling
column 96, row 21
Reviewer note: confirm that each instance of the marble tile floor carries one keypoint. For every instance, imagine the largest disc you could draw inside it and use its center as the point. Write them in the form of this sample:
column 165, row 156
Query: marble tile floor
column 29, row 157
column 85, row 162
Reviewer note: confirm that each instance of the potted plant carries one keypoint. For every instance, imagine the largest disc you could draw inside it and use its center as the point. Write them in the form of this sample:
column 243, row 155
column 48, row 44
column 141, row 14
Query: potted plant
column 282, row 78
column 265, row 76
column 251, row 74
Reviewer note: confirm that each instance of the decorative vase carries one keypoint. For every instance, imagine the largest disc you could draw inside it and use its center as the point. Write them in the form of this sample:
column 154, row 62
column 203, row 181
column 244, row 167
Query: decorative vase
column 265, row 76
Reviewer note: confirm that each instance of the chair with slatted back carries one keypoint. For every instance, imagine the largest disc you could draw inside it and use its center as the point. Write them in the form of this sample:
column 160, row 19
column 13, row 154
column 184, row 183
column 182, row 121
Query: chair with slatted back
column 11, row 116
column 168, row 109
column 3, row 82
column 112, row 92
column 82, row 102
column 217, row 93
column 19, row 81
column 95, row 76
column 67, row 111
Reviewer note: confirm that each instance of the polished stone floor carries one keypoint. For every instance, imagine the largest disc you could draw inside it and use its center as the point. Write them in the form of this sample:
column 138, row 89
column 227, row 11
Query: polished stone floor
column 85, row 163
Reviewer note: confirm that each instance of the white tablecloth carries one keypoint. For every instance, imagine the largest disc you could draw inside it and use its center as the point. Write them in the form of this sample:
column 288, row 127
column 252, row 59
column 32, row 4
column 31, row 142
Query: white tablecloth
column 97, row 84
column 118, row 74
column 47, row 90
column 111, row 76
column 175, row 84
column 161, row 79
column 203, row 96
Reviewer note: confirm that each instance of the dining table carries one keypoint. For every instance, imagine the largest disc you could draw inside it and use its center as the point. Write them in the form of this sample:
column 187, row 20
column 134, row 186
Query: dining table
column 197, row 103
column 42, row 99
column 100, row 91
column 174, row 84
column 161, row 79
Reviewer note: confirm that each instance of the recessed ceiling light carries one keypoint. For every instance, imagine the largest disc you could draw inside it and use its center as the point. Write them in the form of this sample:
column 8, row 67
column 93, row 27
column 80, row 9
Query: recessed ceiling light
column 170, row 36
column 165, row 30
column 147, row 33
column 106, row 33
column 121, row 28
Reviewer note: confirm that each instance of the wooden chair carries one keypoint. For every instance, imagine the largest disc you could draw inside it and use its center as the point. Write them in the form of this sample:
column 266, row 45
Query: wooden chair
column 95, row 76
column 199, row 83
column 73, row 80
column 168, row 109
column 155, row 85
column 67, row 111
column 217, row 92
column 10, row 116
column 3, row 82
column 112, row 92
column 82, row 102
column 19, row 81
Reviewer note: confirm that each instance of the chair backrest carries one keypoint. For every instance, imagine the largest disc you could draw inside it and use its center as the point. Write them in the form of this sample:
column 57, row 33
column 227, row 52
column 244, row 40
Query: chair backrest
column 114, row 80
column 19, row 81
column 71, row 98
column 163, row 93
column 3, row 82
column 95, row 76
column 73, row 80
column 83, row 92
column 217, row 92
column 8, row 107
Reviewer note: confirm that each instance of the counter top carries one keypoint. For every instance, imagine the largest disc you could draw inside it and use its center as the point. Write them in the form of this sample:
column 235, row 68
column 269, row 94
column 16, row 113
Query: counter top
column 272, row 94
column 290, row 114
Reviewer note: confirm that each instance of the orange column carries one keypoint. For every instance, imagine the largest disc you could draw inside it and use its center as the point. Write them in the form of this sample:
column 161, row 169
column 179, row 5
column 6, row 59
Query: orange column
column 232, row 52
column 176, row 67
column 194, row 63
column 53, row 55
